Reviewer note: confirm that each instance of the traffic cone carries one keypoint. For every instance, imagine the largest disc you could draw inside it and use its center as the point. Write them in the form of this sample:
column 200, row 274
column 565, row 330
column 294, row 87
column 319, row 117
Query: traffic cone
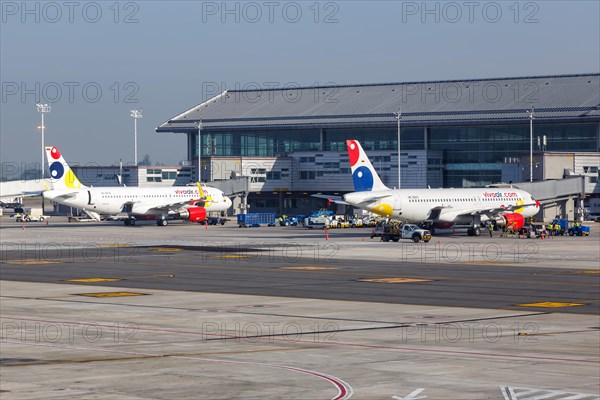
column 206, row 224
column 326, row 234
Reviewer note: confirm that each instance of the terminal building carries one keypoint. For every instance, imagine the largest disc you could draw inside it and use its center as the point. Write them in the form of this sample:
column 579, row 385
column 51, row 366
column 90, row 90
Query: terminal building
column 291, row 142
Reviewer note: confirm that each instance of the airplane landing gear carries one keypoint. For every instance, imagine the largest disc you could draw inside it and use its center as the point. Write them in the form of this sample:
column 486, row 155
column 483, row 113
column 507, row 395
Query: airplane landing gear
column 129, row 221
column 474, row 231
column 161, row 222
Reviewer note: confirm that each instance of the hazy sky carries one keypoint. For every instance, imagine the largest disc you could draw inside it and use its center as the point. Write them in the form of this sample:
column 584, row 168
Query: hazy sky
column 94, row 61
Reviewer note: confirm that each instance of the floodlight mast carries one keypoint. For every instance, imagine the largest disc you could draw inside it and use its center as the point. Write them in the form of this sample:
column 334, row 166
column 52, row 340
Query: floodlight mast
column 531, row 116
column 398, row 117
column 135, row 114
column 199, row 150
column 43, row 109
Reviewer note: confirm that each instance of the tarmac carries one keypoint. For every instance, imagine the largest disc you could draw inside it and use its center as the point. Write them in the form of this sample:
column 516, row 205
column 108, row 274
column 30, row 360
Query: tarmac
column 99, row 310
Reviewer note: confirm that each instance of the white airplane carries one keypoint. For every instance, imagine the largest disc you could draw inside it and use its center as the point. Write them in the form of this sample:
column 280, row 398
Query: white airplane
column 438, row 208
column 143, row 203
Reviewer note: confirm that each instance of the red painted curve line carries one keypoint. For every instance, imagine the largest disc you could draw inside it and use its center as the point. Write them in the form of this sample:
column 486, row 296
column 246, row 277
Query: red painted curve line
column 344, row 390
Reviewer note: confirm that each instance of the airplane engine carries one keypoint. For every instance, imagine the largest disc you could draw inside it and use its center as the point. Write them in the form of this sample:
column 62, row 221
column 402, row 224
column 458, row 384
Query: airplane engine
column 195, row 214
column 515, row 220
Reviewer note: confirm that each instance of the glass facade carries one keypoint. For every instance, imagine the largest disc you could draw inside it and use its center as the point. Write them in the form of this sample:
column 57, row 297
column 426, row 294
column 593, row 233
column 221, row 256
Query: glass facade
column 259, row 143
column 270, row 143
column 472, row 155
column 374, row 139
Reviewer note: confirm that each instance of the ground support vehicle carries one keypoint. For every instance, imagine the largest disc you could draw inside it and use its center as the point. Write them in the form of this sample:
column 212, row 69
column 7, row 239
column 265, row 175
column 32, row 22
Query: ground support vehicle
column 579, row 230
column 255, row 220
column 394, row 230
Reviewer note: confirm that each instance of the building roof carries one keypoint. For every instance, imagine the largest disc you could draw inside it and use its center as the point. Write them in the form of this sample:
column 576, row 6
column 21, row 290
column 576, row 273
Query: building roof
column 564, row 97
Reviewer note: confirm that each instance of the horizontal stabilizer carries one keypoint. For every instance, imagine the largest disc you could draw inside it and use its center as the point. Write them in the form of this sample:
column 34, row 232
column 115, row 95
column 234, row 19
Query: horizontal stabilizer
column 333, row 199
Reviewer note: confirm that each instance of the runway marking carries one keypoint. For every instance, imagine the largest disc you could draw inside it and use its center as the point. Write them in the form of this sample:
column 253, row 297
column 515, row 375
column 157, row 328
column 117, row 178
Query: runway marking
column 307, row 268
column 231, row 256
column 518, row 393
column 394, row 280
column 488, row 262
column 165, row 249
column 589, row 271
column 550, row 304
column 116, row 244
column 33, row 262
column 93, row 280
column 111, row 294
column 412, row 395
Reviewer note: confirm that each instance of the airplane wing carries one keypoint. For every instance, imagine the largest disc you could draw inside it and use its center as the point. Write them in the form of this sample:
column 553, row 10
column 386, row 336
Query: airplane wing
column 65, row 196
column 174, row 206
column 333, row 199
column 373, row 198
column 493, row 211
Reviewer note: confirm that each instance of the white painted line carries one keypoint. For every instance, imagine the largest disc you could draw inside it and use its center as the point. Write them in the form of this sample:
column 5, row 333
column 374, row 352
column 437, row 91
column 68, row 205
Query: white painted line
column 411, row 396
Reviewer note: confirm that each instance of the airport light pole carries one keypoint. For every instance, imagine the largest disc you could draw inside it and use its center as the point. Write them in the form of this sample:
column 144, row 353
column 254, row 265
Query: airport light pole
column 135, row 114
column 43, row 109
column 398, row 117
column 531, row 116
column 199, row 151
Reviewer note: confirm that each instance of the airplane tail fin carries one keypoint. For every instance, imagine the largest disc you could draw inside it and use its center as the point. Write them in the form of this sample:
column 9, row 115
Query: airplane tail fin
column 363, row 174
column 61, row 174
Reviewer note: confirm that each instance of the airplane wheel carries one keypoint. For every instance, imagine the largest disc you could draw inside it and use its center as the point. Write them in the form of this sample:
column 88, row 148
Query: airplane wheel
column 132, row 222
column 127, row 222
column 161, row 222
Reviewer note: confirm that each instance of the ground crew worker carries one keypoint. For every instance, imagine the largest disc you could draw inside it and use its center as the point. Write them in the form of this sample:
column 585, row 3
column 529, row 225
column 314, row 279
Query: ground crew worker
column 490, row 227
column 555, row 229
column 549, row 228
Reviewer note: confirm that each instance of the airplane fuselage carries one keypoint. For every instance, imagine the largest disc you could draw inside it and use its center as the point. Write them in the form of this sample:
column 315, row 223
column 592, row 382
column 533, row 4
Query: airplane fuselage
column 442, row 205
column 138, row 201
